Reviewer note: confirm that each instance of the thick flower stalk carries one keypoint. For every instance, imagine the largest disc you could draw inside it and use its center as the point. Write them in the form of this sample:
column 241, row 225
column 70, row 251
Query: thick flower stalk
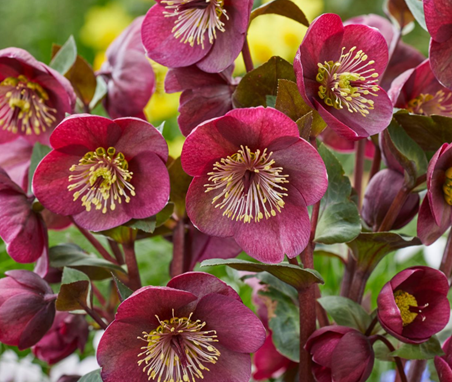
column 338, row 69
column 413, row 306
column 253, row 179
column 208, row 33
column 104, row 172
column 34, row 98
column 195, row 329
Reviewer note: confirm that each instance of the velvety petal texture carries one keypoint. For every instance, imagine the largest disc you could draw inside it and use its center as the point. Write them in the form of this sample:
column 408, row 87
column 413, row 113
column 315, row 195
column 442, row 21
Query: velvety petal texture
column 198, row 306
column 333, row 140
column 177, row 34
column 413, row 306
column 354, row 49
column 115, row 171
column 27, row 308
column 228, row 147
column 52, row 92
column 15, row 159
column 128, row 73
column 443, row 364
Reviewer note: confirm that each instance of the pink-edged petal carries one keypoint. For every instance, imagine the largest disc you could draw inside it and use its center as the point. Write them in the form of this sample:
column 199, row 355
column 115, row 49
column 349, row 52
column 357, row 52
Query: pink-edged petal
column 162, row 46
column 286, row 233
column 438, row 17
column 444, row 370
column 395, row 93
column 311, row 181
column 236, row 326
column 441, row 61
column 228, row 44
column 180, row 79
column 90, row 131
column 138, row 136
column 203, row 213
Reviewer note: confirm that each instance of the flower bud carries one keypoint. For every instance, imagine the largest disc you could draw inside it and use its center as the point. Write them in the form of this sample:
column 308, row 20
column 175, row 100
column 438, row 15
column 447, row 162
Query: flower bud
column 68, row 332
column 380, row 194
column 27, row 308
column 340, row 354
column 443, row 364
column 413, row 306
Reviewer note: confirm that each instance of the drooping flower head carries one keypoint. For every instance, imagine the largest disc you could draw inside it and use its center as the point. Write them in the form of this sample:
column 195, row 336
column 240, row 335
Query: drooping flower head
column 196, row 328
column 443, row 364
column 33, row 97
column 204, row 95
column 418, row 91
column 104, row 172
column 413, row 306
column 337, row 69
column 128, row 74
column 27, row 308
column 208, row 33
column 253, row 178
column 15, row 160
column 435, row 214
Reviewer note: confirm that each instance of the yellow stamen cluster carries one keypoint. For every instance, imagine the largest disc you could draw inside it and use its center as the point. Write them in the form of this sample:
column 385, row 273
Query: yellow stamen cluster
column 428, row 104
column 250, row 186
column 447, row 186
column 404, row 301
column 348, row 82
column 103, row 178
column 177, row 350
column 23, row 106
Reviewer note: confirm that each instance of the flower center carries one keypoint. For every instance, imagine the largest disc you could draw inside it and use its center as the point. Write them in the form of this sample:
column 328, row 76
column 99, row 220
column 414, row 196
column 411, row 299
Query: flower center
column 177, row 350
column 405, row 302
column 103, row 178
column 23, row 106
column 427, row 104
column 195, row 18
column 348, row 82
column 447, row 187
column 251, row 186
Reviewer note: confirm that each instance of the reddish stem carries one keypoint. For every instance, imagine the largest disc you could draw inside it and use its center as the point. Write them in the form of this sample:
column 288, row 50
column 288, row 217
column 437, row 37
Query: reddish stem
column 417, row 368
column 376, row 162
column 132, row 265
column 359, row 169
column 177, row 264
column 116, row 251
column 391, row 348
column 98, row 295
column 348, row 274
column 246, row 53
column 394, row 210
column 94, row 315
column 446, row 262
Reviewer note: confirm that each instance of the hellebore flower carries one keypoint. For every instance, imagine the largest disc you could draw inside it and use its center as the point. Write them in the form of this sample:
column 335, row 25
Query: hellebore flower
column 208, row 33
column 435, row 213
column 128, row 73
column 34, row 98
column 27, row 308
column 21, row 227
column 253, row 178
column 380, row 193
column 337, row 69
column 413, row 306
column 104, row 172
column 15, row 160
column 195, row 328
column 204, row 95
column 330, row 138
column 68, row 332
column 340, row 354
column 443, row 364
column 438, row 17
column 418, row 91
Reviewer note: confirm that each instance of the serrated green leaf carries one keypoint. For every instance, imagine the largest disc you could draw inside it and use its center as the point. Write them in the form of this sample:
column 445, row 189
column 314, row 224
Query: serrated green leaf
column 99, row 94
column 123, row 291
column 346, row 312
column 75, row 291
column 66, row 57
column 286, row 8
column 38, row 153
column 417, row 9
column 339, row 220
column 94, row 376
column 293, row 275
column 426, row 350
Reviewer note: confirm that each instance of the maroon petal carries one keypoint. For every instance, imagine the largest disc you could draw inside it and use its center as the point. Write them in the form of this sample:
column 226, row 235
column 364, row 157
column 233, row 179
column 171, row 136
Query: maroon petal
column 37, row 327
column 180, row 79
column 237, row 327
column 162, row 46
column 388, row 311
column 438, row 17
column 30, row 280
column 440, row 54
column 268, row 361
column 15, row 160
column 444, row 370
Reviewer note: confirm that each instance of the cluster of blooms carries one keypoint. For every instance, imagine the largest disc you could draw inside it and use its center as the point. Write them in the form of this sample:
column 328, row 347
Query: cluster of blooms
column 252, row 179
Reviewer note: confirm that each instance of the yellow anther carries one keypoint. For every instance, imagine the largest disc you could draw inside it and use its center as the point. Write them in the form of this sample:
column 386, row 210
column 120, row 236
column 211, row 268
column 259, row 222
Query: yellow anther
column 404, row 301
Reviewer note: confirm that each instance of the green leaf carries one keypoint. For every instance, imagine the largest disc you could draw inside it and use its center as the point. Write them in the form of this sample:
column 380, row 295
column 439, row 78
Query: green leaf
column 94, row 376
column 75, row 291
column 66, row 57
column 278, row 285
column 428, row 132
column 285, row 325
column 147, row 225
column 426, row 350
column 256, row 85
column 180, row 182
column 370, row 248
column 285, row 8
column 99, row 94
column 339, row 220
column 271, row 100
column 71, row 255
column 293, row 275
column 417, row 9
column 164, row 214
column 346, row 312
column 38, row 153
column 382, row 352
column 123, row 291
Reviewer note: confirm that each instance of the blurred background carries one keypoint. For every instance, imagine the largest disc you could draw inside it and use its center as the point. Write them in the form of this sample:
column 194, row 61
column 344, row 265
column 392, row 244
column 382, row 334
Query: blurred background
column 35, row 25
